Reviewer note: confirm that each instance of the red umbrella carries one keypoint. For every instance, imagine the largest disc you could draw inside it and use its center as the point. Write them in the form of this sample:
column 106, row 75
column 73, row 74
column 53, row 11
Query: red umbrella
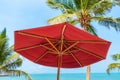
column 60, row 45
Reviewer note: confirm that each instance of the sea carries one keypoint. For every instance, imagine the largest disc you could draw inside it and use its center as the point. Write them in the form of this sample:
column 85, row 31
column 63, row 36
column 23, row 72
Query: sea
column 66, row 76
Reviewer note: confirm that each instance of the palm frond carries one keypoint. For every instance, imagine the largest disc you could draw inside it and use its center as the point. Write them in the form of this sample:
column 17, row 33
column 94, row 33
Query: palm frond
column 116, row 2
column 8, row 51
column 89, row 4
column 9, row 61
column 14, row 64
column 74, row 22
column 3, row 33
column 116, row 57
column 3, row 45
column 108, row 22
column 101, row 7
column 53, row 4
column 19, row 73
column 113, row 66
column 61, row 5
column 3, row 39
column 91, row 30
column 3, row 69
column 11, row 58
column 5, row 52
column 62, row 18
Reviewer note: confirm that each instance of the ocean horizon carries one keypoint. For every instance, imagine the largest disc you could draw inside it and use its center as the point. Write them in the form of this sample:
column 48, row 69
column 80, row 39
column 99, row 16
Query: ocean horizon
column 67, row 76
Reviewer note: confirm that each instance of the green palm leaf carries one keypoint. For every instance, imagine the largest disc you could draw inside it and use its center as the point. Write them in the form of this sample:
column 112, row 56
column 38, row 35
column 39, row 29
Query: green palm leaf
column 14, row 64
column 3, row 33
column 3, row 45
column 101, row 7
column 3, row 69
column 84, row 12
column 92, row 30
column 13, row 61
column 113, row 66
column 18, row 73
column 59, row 4
column 62, row 18
column 116, row 57
column 108, row 22
column 116, row 2
column 9, row 61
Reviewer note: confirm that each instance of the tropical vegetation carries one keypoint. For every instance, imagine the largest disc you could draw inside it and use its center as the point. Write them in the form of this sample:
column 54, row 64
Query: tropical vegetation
column 115, row 65
column 9, row 60
column 85, row 13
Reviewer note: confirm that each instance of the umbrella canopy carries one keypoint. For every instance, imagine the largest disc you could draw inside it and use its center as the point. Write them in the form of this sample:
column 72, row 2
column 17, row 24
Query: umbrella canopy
column 60, row 45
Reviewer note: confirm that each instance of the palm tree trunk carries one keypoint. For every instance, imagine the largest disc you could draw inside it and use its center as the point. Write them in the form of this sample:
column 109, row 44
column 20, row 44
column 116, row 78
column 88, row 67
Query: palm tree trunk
column 88, row 72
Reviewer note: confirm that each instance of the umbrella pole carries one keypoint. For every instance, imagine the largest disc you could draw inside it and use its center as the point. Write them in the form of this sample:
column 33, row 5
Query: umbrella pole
column 59, row 65
column 58, row 74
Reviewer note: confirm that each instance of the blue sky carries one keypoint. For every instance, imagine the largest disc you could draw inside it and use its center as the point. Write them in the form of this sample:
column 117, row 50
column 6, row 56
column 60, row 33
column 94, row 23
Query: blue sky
column 22, row 14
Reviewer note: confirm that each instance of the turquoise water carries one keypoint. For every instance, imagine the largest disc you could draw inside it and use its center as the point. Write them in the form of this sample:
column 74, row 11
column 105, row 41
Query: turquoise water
column 69, row 76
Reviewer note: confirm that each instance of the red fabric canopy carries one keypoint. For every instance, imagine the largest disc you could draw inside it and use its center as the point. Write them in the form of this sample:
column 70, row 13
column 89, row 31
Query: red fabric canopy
column 60, row 45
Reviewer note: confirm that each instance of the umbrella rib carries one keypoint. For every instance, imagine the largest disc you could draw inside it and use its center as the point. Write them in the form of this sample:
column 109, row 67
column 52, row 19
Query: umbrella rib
column 75, row 58
column 81, row 41
column 89, row 41
column 51, row 44
column 87, row 52
column 70, row 46
column 38, row 45
column 34, row 35
column 70, row 51
column 62, row 37
column 93, row 41
column 28, row 34
column 41, row 57
column 90, row 53
column 48, row 48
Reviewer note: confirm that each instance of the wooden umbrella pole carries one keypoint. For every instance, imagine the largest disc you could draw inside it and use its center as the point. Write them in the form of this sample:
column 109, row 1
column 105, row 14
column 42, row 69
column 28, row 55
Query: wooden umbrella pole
column 58, row 74
column 59, row 65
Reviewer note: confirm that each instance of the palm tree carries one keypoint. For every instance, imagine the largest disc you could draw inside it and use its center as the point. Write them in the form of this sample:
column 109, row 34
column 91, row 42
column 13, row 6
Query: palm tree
column 9, row 61
column 114, row 65
column 84, row 12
